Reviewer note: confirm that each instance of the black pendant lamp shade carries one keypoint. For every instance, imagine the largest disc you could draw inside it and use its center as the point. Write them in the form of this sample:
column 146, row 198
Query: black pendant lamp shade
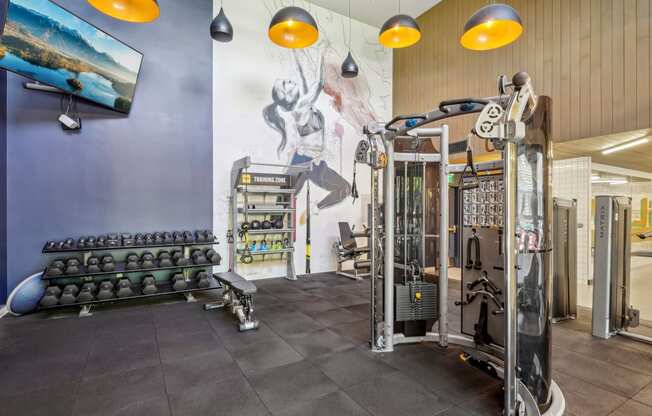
column 293, row 27
column 349, row 67
column 221, row 29
column 399, row 31
column 493, row 26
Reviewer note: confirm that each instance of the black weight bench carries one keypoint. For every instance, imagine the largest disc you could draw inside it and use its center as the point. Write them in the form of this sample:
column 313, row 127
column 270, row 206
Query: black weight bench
column 238, row 296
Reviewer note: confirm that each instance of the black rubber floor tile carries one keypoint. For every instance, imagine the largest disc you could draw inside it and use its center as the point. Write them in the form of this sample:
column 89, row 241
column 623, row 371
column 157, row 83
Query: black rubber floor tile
column 206, row 368
column 633, row 408
column 233, row 339
column 313, row 304
column 363, row 310
column 619, row 380
column 335, row 317
column 359, row 332
column 487, row 404
column 585, row 399
column 395, row 394
column 230, row 397
column 119, row 389
column 56, row 401
column 282, row 387
column 352, row 366
column 177, row 326
column 110, row 357
column 294, row 323
column 40, row 372
column 175, row 347
column 317, row 343
column 334, row 404
column 265, row 355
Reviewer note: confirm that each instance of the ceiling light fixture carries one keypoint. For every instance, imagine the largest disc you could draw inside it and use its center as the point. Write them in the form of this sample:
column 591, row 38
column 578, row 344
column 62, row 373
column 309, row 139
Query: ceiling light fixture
column 221, row 29
column 624, row 146
column 134, row 11
column 493, row 26
column 349, row 66
column 399, row 31
column 293, row 27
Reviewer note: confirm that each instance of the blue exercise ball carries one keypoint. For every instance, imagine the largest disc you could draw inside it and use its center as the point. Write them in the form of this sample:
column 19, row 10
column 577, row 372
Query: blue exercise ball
column 26, row 296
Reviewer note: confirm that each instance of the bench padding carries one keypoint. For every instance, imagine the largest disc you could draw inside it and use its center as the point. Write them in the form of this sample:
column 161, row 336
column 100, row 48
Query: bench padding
column 237, row 283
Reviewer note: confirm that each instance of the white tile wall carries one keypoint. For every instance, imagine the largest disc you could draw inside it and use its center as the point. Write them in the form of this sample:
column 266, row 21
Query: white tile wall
column 571, row 179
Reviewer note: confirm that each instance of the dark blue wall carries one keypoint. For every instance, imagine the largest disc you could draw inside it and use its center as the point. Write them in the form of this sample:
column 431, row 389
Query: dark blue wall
column 3, row 185
column 149, row 171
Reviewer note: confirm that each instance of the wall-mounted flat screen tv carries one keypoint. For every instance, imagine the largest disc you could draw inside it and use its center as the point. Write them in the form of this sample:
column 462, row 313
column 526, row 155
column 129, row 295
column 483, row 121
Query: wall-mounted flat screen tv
column 47, row 43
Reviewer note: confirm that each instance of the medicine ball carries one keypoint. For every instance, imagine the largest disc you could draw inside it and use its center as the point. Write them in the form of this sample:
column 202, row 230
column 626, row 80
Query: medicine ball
column 255, row 225
column 267, row 225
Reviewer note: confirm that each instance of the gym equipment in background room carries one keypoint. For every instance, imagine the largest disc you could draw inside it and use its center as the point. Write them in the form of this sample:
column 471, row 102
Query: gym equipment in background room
column 517, row 123
column 346, row 249
column 261, row 201
column 564, row 286
column 613, row 313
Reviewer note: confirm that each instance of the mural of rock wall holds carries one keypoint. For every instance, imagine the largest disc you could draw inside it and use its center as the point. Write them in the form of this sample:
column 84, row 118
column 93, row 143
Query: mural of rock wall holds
column 293, row 107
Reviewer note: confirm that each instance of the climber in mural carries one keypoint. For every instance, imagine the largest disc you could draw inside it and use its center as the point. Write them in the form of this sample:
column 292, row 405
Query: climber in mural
column 301, row 125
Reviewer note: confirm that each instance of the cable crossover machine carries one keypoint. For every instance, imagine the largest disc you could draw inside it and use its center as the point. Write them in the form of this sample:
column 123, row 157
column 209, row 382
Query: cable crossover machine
column 510, row 305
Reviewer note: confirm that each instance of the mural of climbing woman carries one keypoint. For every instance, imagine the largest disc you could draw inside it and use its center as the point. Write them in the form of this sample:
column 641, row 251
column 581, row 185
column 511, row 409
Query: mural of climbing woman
column 297, row 110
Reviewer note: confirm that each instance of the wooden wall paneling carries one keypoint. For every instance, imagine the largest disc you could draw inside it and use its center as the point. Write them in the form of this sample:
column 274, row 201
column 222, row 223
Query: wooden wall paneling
column 555, row 69
column 643, row 63
column 575, row 75
column 618, row 65
column 596, row 79
column 585, row 65
column 539, row 48
column 606, row 25
column 564, row 70
column 629, row 40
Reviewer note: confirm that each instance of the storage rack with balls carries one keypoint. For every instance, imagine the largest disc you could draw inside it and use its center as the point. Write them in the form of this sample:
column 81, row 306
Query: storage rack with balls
column 118, row 267
column 263, row 214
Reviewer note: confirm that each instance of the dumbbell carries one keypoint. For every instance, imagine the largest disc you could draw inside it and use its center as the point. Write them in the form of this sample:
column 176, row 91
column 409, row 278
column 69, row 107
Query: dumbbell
column 50, row 245
column 108, row 264
column 209, row 236
column 90, row 241
column 81, row 242
column 179, row 282
column 93, row 265
column 68, row 243
column 200, row 236
column 212, row 256
column 132, row 262
column 128, row 239
column 72, row 266
column 69, row 295
column 51, row 297
column 158, row 238
column 278, row 223
column 139, row 239
column 198, row 257
column 179, row 259
column 149, row 239
column 87, row 292
column 56, row 268
column 188, row 237
column 203, row 279
column 266, row 225
column 149, row 285
column 124, row 289
column 112, row 240
column 167, row 237
column 178, row 237
column 165, row 259
column 147, row 260
column 101, row 241
column 106, row 290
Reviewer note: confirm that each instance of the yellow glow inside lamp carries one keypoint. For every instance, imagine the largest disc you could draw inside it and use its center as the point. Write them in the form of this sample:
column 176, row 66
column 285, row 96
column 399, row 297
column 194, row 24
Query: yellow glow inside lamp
column 134, row 11
column 294, row 28
column 399, row 31
column 491, row 27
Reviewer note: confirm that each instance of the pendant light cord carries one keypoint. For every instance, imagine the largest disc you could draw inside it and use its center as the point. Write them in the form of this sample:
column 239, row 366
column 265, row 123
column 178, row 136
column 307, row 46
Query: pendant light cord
column 349, row 26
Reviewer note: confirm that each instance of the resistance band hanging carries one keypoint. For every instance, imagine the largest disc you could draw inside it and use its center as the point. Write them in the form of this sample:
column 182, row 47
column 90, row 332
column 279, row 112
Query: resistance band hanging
column 354, row 185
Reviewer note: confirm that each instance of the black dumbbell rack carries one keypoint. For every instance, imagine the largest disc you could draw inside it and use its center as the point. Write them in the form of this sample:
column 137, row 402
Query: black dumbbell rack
column 164, row 287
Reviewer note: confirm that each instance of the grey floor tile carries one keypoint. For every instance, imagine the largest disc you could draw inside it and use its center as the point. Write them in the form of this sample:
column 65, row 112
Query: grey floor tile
column 487, row 404
column 352, row 366
column 282, row 387
column 153, row 406
column 334, row 404
column 334, row 317
column 265, row 355
column 645, row 395
column 395, row 394
column 317, row 343
column 363, row 310
column 633, row 408
column 230, row 397
column 205, row 368
column 175, row 347
column 55, row 401
column 117, row 390
column 585, row 399
column 620, row 380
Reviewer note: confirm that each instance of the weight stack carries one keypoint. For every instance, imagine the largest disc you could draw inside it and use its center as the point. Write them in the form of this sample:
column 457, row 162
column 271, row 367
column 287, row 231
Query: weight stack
column 409, row 308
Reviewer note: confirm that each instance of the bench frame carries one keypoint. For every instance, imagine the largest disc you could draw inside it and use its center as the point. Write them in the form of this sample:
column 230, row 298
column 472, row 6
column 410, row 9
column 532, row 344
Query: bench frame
column 240, row 304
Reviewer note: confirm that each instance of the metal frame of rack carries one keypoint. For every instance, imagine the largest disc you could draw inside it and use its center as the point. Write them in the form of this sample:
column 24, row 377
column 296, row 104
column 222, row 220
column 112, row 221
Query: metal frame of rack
column 164, row 288
column 244, row 183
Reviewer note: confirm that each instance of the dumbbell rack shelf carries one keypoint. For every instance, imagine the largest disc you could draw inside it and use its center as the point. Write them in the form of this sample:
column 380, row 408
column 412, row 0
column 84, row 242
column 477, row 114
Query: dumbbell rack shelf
column 271, row 231
column 121, row 270
column 163, row 289
column 260, row 190
column 131, row 247
column 264, row 252
column 254, row 211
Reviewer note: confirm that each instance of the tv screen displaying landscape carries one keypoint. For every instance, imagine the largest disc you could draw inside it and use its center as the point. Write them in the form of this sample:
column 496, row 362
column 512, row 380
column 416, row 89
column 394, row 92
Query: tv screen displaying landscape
column 47, row 43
